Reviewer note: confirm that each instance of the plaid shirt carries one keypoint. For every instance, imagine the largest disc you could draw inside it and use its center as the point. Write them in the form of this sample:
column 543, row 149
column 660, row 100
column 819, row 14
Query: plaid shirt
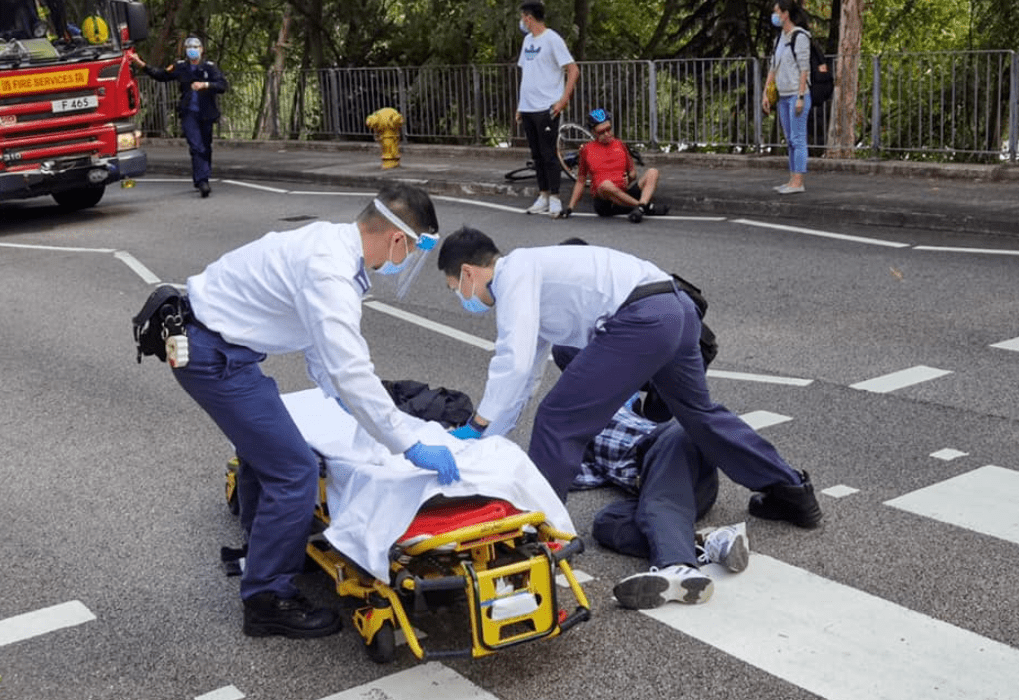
column 615, row 455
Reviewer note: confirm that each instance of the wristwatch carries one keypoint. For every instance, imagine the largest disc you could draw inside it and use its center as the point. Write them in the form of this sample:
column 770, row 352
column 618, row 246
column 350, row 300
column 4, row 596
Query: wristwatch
column 799, row 97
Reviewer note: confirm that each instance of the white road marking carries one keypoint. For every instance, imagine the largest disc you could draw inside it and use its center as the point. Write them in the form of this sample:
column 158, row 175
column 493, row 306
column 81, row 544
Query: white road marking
column 765, row 378
column 948, row 454
column 764, row 419
column 57, row 248
column 264, row 188
column 430, row 680
column 225, row 693
column 1007, row 344
column 950, row 249
column 139, row 269
column 841, row 643
column 983, row 500
column 823, row 234
column 581, row 576
column 432, row 325
column 33, row 624
column 839, row 491
column 900, row 379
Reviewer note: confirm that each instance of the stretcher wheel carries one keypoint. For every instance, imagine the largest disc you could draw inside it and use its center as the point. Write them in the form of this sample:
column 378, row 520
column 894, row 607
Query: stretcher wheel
column 382, row 648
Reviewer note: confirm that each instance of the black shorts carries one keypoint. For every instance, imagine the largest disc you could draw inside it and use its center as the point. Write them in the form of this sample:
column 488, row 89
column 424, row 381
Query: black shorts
column 606, row 207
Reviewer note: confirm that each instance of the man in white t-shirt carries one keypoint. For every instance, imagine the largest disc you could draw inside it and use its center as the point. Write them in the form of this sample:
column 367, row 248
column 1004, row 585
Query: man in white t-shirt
column 544, row 94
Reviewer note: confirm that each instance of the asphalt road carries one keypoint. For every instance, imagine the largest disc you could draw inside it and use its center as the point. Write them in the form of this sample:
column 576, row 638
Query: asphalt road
column 111, row 479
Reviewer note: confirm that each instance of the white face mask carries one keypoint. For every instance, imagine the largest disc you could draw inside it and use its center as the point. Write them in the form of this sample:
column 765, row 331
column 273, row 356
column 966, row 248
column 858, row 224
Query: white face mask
column 523, row 28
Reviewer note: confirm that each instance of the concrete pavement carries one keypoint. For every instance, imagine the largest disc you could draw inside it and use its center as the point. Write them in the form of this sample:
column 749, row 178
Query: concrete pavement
column 978, row 199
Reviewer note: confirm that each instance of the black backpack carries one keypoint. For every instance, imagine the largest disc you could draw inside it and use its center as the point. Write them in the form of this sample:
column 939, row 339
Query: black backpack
column 822, row 81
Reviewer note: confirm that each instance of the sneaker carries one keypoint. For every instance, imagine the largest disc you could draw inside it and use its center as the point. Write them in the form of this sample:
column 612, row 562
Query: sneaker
column 636, row 215
column 789, row 189
column 540, row 205
column 267, row 614
column 654, row 209
column 682, row 583
column 793, row 503
column 726, row 546
column 555, row 207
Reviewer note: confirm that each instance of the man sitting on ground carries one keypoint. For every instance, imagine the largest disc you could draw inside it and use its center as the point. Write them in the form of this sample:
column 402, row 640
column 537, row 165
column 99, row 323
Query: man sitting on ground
column 615, row 186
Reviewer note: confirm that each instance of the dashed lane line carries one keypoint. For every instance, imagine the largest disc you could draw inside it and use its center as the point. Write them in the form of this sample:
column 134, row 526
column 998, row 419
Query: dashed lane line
column 38, row 622
column 901, row 379
column 431, row 679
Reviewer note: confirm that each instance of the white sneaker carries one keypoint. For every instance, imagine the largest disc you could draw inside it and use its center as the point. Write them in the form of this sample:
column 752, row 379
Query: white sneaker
column 555, row 207
column 726, row 546
column 656, row 587
column 540, row 205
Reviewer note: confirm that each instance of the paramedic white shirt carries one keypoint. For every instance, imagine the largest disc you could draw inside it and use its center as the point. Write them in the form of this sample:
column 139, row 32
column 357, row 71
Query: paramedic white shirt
column 559, row 295
column 542, row 60
column 301, row 291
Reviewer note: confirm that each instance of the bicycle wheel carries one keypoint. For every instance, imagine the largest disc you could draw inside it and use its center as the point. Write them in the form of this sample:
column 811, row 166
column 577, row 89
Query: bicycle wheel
column 521, row 173
column 567, row 147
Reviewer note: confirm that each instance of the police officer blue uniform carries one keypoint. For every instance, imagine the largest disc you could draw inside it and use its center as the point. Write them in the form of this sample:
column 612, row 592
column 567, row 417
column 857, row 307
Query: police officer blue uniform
column 200, row 82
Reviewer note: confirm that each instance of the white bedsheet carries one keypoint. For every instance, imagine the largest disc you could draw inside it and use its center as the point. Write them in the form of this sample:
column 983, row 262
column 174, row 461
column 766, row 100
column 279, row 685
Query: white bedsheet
column 373, row 495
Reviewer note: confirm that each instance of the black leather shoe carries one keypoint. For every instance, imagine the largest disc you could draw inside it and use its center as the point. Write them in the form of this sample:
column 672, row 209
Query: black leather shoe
column 636, row 215
column 795, row 504
column 267, row 614
column 204, row 188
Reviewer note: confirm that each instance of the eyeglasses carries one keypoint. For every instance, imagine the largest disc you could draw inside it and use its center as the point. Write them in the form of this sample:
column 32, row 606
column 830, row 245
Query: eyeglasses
column 601, row 131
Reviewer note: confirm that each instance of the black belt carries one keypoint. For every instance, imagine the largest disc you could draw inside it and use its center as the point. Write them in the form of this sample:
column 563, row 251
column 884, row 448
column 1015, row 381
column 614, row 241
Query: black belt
column 649, row 290
column 189, row 314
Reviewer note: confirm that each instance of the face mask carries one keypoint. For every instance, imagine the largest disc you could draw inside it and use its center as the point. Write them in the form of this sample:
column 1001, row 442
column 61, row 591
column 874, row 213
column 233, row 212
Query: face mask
column 193, row 54
column 776, row 20
column 472, row 305
column 391, row 268
column 523, row 28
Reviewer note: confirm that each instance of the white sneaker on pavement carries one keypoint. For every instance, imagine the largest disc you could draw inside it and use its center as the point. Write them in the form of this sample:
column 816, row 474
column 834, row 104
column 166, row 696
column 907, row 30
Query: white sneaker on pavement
column 684, row 584
column 540, row 205
column 726, row 546
column 555, row 207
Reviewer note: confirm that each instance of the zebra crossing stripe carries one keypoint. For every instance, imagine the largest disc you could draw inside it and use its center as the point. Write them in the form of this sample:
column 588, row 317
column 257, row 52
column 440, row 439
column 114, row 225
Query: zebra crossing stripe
column 427, row 680
column 841, row 643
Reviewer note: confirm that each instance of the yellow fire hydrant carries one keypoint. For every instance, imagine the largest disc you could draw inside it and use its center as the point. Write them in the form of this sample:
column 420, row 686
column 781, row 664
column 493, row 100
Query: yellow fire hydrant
column 386, row 124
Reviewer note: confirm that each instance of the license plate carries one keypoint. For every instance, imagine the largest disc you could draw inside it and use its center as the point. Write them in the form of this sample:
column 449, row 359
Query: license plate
column 73, row 104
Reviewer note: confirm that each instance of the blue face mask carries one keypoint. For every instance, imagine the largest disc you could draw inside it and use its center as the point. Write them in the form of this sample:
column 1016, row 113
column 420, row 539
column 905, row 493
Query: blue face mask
column 391, row 268
column 193, row 54
column 776, row 19
column 473, row 305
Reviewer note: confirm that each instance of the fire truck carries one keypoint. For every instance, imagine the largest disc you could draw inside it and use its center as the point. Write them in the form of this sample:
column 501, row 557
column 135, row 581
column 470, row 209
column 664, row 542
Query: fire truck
column 67, row 98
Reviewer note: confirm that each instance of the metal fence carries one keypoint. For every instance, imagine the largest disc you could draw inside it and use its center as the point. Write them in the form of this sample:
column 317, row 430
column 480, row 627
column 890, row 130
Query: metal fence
column 950, row 106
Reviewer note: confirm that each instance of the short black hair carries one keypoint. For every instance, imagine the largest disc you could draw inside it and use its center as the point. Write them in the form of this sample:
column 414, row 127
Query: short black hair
column 534, row 9
column 575, row 240
column 411, row 204
column 466, row 246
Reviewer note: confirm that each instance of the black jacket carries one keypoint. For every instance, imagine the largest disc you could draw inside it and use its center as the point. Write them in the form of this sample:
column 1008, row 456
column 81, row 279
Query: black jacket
column 184, row 73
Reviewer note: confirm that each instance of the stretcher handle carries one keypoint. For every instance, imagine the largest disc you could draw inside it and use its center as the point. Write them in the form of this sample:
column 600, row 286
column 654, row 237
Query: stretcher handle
column 575, row 546
column 440, row 583
column 581, row 614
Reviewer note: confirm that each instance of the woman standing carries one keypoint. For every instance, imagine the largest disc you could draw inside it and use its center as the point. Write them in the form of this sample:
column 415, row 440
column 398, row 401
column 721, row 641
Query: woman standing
column 790, row 68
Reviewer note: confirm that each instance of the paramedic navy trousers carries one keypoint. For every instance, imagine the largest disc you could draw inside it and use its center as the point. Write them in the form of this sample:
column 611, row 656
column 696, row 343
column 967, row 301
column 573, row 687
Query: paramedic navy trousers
column 198, row 133
column 278, row 480
column 656, row 338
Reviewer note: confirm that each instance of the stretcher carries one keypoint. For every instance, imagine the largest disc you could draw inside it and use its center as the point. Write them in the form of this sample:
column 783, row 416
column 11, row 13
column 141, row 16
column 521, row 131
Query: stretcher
column 488, row 548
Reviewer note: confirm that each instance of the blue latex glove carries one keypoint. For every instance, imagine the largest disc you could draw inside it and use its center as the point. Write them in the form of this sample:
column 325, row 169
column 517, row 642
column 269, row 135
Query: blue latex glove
column 466, row 432
column 436, row 458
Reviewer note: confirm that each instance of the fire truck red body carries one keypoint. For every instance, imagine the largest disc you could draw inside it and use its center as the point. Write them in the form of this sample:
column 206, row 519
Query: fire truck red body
column 67, row 102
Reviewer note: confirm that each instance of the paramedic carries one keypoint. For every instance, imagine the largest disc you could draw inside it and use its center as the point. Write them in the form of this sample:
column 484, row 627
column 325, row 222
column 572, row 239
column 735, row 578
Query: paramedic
column 298, row 291
column 632, row 326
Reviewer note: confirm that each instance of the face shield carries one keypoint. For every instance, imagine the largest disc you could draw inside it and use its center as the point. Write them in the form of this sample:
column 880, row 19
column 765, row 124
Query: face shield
column 424, row 243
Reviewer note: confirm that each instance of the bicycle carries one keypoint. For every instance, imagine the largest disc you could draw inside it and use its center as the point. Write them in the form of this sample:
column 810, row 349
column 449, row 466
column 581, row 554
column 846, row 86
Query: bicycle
column 568, row 142
column 567, row 148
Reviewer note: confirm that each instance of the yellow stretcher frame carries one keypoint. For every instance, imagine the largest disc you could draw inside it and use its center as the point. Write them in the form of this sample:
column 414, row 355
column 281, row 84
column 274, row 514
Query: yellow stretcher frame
column 521, row 551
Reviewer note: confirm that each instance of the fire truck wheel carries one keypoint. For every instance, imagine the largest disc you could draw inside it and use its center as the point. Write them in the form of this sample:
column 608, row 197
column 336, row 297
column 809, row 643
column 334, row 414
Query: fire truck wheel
column 79, row 199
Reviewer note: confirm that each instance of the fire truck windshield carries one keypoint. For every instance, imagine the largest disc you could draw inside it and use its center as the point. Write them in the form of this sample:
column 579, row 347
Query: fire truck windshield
column 43, row 31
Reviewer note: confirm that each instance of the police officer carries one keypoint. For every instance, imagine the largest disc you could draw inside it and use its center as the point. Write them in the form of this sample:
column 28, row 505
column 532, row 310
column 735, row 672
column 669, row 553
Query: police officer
column 632, row 326
column 200, row 81
column 286, row 292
